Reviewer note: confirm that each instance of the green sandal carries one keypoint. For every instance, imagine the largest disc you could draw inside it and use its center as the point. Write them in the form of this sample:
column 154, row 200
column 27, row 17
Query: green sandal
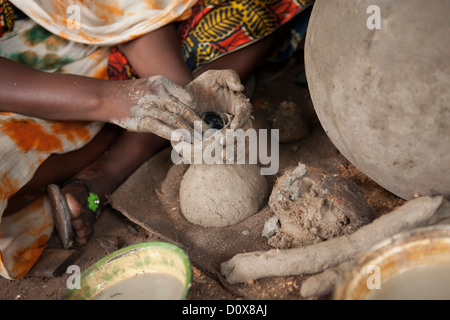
column 61, row 212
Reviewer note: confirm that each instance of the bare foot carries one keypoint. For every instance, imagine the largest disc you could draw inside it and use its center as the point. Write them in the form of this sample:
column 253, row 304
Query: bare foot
column 103, row 176
column 82, row 214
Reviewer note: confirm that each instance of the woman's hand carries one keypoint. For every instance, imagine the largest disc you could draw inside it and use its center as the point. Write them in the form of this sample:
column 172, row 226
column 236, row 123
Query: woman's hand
column 153, row 104
column 221, row 91
column 158, row 105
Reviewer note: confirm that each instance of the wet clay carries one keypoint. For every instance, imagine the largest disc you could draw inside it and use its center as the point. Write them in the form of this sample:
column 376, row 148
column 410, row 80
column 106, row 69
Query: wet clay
column 222, row 195
column 313, row 206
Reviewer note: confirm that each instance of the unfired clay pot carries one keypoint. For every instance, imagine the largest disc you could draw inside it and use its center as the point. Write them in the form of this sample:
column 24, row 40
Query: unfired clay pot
column 222, row 195
column 383, row 95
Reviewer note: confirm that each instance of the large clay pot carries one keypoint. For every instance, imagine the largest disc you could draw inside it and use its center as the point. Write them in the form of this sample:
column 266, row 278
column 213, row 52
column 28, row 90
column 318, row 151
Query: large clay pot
column 383, row 95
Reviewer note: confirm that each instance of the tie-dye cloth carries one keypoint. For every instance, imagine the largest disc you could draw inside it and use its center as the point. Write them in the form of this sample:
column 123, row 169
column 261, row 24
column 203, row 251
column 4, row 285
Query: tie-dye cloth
column 79, row 37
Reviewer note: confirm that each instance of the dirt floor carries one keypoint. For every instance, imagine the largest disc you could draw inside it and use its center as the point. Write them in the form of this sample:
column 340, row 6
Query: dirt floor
column 113, row 230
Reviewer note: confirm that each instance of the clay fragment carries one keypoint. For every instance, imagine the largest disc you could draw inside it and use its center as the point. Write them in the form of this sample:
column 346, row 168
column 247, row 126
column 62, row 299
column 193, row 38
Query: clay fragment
column 271, row 227
column 315, row 258
column 313, row 206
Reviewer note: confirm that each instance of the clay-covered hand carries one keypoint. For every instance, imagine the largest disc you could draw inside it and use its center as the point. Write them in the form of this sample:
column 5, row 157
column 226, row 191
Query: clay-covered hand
column 154, row 104
column 221, row 91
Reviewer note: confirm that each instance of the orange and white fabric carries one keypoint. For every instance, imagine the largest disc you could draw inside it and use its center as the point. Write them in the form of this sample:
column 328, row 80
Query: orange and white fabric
column 106, row 22
column 25, row 144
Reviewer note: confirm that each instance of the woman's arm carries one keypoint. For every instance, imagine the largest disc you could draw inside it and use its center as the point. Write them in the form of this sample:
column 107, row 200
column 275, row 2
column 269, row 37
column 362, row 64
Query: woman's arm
column 154, row 104
column 30, row 92
column 158, row 53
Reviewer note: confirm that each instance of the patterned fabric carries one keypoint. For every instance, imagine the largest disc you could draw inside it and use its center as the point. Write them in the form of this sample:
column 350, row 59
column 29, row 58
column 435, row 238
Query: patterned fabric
column 25, row 144
column 118, row 66
column 218, row 27
column 7, row 17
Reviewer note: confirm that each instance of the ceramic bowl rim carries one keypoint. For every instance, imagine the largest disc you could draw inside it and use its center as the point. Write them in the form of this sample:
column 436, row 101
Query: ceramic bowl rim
column 159, row 245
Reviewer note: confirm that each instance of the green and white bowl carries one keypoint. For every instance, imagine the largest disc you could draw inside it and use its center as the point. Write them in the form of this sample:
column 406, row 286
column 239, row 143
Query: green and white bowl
column 135, row 260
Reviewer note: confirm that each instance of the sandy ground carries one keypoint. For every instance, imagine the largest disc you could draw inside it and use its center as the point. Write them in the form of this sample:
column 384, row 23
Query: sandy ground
column 113, row 226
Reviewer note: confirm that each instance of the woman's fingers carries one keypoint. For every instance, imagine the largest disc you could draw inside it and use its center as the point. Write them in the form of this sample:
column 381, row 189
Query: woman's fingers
column 170, row 119
column 160, row 86
column 242, row 110
column 229, row 79
column 157, row 127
